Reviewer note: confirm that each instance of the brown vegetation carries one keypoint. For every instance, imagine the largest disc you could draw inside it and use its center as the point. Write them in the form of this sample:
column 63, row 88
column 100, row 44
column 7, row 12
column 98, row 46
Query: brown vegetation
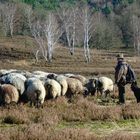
column 22, row 122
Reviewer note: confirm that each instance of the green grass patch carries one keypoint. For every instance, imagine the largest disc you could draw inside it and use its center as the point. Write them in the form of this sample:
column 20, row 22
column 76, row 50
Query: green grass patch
column 104, row 127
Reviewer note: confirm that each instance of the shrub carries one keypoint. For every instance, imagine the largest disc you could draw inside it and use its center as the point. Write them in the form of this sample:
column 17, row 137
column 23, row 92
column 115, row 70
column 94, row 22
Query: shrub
column 13, row 120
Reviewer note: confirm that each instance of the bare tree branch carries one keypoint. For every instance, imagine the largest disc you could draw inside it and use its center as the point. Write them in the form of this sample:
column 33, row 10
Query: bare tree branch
column 7, row 13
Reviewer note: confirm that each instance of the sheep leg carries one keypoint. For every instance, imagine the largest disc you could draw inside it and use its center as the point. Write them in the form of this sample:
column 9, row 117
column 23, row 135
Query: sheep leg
column 103, row 95
column 31, row 104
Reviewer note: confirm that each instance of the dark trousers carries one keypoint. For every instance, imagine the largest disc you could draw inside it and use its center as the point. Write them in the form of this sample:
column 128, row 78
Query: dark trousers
column 121, row 89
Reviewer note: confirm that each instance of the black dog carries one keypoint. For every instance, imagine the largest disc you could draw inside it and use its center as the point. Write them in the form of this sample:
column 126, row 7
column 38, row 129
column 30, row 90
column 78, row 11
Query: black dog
column 136, row 91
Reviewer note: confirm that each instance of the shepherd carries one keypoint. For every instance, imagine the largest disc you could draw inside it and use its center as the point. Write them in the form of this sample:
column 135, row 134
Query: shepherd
column 124, row 74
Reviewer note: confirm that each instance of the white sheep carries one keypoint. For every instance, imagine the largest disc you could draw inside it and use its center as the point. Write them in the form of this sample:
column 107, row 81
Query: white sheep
column 17, row 75
column 77, row 76
column 40, row 77
column 74, row 87
column 68, row 74
column 39, row 73
column 81, row 78
column 14, row 79
column 35, row 91
column 4, row 71
column 62, row 81
column 53, row 88
column 104, row 85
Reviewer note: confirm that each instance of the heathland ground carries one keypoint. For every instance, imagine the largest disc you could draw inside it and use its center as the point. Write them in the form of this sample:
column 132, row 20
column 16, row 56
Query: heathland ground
column 83, row 118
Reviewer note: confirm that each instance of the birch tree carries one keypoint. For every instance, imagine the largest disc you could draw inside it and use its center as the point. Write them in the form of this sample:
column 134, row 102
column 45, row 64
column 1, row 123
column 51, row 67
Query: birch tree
column 36, row 29
column 8, row 11
column 68, row 18
column 52, row 33
column 38, row 35
column 74, row 12
column 46, row 33
column 86, row 20
column 136, row 33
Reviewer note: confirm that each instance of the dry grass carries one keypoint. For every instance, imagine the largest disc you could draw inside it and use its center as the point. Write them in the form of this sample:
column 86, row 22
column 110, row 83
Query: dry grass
column 23, row 122
column 121, row 136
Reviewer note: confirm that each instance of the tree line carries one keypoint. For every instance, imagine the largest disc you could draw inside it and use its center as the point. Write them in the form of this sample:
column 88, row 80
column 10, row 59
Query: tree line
column 101, row 24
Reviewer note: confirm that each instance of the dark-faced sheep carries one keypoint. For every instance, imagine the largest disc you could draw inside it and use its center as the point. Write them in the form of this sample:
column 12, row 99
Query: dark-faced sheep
column 91, row 86
column 8, row 94
column 104, row 85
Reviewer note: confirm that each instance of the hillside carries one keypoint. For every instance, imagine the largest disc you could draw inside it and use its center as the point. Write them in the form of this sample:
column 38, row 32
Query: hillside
column 15, row 54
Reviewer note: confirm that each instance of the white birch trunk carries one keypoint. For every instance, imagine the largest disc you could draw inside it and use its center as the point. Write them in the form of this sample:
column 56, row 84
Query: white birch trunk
column 87, row 26
column 52, row 33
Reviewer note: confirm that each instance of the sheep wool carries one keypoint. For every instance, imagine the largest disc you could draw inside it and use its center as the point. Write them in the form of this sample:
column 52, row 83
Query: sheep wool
column 53, row 88
column 35, row 91
column 8, row 94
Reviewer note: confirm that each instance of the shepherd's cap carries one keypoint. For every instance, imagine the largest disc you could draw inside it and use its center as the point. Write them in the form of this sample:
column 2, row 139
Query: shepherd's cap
column 120, row 56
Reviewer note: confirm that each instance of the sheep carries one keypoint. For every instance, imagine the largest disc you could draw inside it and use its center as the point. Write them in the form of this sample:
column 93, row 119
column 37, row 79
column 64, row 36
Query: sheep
column 40, row 77
column 69, row 75
column 53, row 88
column 81, row 78
column 39, row 73
column 51, row 75
column 136, row 91
column 104, row 85
column 14, row 79
column 8, row 94
column 62, row 81
column 25, row 73
column 74, row 87
column 35, row 91
column 4, row 71
column 18, row 75
column 91, row 86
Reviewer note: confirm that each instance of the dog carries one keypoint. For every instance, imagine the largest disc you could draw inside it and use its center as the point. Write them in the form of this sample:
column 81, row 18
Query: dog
column 136, row 91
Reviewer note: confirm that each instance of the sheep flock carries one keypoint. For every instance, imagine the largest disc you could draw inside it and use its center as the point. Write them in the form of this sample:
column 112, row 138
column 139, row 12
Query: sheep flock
column 38, row 86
